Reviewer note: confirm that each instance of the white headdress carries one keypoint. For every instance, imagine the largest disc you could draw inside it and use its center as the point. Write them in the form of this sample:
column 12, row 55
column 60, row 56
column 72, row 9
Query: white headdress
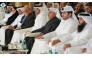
column 86, row 17
column 68, row 9
column 21, row 8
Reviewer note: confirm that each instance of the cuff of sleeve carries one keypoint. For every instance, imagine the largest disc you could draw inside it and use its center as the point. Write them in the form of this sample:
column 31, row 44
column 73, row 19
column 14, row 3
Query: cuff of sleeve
column 63, row 39
column 45, row 36
column 73, row 44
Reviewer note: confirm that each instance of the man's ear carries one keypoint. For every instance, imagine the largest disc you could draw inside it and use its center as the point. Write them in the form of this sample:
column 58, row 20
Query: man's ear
column 70, row 15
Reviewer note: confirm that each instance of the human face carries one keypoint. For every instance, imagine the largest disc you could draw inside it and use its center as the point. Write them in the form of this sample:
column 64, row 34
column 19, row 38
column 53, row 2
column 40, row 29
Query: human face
column 26, row 12
column 55, row 5
column 78, row 6
column 65, row 15
column 51, row 14
column 81, row 21
column 49, row 5
column 9, row 8
column 88, row 9
column 62, row 4
column 13, row 10
column 37, row 11
column 20, row 12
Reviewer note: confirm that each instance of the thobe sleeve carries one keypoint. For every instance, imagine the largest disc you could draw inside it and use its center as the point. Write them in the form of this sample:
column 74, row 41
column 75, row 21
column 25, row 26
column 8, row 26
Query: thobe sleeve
column 43, row 20
column 50, row 35
column 67, row 37
column 83, row 39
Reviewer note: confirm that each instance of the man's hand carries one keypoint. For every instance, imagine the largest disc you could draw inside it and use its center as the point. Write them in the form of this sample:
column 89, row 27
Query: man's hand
column 84, row 50
column 10, row 27
column 66, row 46
column 55, row 42
column 17, row 28
column 38, row 35
column 49, row 41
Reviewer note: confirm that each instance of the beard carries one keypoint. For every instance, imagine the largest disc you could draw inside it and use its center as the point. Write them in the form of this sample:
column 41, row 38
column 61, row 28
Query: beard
column 81, row 27
column 7, row 12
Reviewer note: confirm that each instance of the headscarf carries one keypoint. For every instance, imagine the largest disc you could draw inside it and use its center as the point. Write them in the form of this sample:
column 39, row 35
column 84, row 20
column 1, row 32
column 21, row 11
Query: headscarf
column 86, row 17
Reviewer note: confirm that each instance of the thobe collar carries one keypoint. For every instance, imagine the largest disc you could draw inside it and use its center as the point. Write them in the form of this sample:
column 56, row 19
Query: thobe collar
column 67, row 20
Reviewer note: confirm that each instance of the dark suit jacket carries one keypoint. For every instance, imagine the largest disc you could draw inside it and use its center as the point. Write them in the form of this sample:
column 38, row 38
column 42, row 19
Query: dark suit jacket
column 29, row 21
column 50, row 26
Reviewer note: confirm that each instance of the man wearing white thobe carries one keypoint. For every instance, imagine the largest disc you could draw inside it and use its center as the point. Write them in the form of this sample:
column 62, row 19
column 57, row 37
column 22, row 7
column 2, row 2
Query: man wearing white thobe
column 77, row 38
column 40, row 21
column 7, row 15
column 63, row 29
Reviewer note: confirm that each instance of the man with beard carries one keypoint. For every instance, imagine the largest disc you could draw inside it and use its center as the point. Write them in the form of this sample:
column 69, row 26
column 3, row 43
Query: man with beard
column 77, row 38
column 8, row 14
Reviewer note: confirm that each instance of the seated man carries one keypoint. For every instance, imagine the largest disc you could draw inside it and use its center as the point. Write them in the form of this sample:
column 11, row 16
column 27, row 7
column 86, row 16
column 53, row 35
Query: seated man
column 77, row 38
column 40, row 21
column 8, row 14
column 83, row 49
column 13, row 25
column 50, row 26
column 68, row 25
column 26, row 22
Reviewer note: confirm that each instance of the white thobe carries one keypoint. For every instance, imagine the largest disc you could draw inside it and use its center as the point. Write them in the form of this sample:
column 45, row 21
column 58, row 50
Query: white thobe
column 40, row 21
column 76, row 38
column 2, row 30
column 6, row 18
column 78, row 49
column 65, row 27
column 2, row 14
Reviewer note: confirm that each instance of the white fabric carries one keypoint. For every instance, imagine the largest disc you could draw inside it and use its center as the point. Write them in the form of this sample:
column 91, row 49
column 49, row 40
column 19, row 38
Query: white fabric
column 87, row 19
column 20, row 9
column 2, row 35
column 69, row 8
column 41, row 20
column 2, row 13
column 89, row 45
column 17, row 20
column 78, row 39
column 61, row 30
column 19, row 34
column 6, row 18
column 2, row 9
column 42, row 44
